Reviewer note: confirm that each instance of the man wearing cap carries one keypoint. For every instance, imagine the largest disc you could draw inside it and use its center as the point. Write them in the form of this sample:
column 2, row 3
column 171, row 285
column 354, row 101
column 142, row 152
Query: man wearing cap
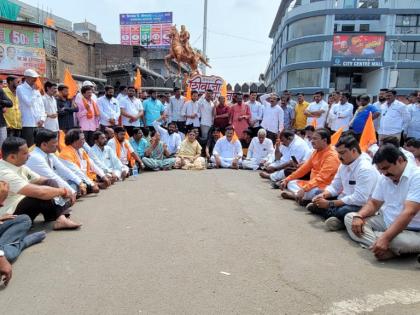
column 31, row 106
column 79, row 95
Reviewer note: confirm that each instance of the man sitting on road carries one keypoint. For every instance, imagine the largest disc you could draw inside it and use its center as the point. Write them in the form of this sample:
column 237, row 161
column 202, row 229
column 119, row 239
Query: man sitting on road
column 351, row 187
column 288, row 145
column 260, row 151
column 413, row 146
column 30, row 193
column 227, row 152
column 139, row 141
column 112, row 165
column 189, row 155
column 396, row 230
column 170, row 137
column 215, row 135
column 323, row 164
column 14, row 236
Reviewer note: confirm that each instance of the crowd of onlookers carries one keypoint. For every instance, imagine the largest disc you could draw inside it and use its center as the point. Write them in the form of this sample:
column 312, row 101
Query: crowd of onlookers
column 56, row 149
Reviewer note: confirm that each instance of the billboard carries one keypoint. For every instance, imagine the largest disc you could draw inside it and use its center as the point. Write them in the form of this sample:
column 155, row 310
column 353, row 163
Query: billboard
column 358, row 50
column 146, row 29
column 21, row 47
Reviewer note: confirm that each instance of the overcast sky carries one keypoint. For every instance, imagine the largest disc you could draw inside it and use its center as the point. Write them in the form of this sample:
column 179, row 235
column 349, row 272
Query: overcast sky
column 237, row 41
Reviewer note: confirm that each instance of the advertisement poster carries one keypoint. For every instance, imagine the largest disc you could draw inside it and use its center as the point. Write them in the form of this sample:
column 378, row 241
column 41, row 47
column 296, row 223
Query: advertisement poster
column 21, row 48
column 358, row 50
column 146, row 29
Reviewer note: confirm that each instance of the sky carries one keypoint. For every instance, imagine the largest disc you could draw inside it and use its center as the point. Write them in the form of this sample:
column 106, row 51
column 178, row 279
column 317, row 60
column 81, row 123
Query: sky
column 237, row 40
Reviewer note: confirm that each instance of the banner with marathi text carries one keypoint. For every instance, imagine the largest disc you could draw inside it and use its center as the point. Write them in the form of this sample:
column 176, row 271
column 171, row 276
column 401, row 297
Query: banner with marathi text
column 201, row 83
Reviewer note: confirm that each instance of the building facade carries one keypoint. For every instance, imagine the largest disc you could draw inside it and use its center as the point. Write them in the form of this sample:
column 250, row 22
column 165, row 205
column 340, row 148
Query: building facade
column 357, row 46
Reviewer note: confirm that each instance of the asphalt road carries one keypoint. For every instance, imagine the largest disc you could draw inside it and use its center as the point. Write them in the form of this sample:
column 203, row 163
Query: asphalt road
column 210, row 242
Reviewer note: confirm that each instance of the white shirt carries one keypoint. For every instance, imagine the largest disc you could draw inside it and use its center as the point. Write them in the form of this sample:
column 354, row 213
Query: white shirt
column 297, row 148
column 50, row 166
column 132, row 106
column 108, row 157
column 413, row 129
column 30, row 104
column 394, row 195
column 189, row 109
column 341, row 115
column 226, row 149
column 260, row 151
column 108, row 109
column 354, row 183
column 175, row 108
column 123, row 153
column 313, row 107
column 257, row 111
column 50, row 105
column 377, row 121
column 172, row 141
column 394, row 118
column 121, row 97
column 206, row 112
column 273, row 118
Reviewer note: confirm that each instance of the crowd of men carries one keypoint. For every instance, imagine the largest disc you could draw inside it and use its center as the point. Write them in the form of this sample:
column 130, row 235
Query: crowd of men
column 57, row 149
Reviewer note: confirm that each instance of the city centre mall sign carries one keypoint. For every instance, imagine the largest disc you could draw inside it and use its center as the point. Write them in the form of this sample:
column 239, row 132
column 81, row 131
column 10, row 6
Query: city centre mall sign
column 146, row 29
column 358, row 50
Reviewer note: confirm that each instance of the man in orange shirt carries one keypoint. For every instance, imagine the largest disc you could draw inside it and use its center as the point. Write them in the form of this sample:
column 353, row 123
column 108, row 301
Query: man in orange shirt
column 323, row 164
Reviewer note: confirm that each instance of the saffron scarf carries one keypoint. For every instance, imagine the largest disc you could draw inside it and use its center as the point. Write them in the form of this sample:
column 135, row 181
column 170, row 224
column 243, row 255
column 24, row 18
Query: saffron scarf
column 69, row 153
column 89, row 114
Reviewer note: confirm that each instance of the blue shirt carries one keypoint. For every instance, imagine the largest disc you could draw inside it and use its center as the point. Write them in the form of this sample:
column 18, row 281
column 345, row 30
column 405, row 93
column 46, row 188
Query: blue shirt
column 361, row 118
column 152, row 110
column 140, row 147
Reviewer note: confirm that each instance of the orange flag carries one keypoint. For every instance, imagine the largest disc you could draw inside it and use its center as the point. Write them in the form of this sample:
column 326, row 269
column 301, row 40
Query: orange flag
column 137, row 80
column 336, row 136
column 314, row 123
column 188, row 93
column 69, row 81
column 223, row 89
column 61, row 142
column 368, row 136
column 39, row 84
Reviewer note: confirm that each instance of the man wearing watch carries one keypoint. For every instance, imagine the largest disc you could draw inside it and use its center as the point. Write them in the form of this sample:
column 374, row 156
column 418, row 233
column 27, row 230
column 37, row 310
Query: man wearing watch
column 30, row 193
column 13, row 236
column 395, row 230
column 351, row 187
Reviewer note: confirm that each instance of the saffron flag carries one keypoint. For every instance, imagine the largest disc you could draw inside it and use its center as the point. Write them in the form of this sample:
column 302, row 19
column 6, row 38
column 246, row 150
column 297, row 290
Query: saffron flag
column 336, row 136
column 39, row 85
column 137, row 80
column 368, row 136
column 188, row 93
column 223, row 89
column 70, row 83
column 314, row 123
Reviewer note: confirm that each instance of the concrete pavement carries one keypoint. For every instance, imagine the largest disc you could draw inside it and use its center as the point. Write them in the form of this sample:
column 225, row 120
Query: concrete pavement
column 210, row 242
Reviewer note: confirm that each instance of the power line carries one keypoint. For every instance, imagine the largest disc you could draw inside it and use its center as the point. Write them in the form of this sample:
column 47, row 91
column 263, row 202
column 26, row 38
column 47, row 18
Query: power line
column 242, row 56
column 238, row 37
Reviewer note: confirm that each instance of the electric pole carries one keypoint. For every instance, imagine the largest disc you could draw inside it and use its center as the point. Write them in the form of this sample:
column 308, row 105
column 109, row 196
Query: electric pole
column 205, row 36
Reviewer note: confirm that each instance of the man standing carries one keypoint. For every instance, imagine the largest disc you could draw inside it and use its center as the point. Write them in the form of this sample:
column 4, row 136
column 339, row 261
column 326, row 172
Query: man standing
column 239, row 116
column 30, row 193
column 191, row 113
column 300, row 117
column 316, row 112
column 227, row 152
column 260, row 151
column 50, row 104
column 153, row 109
column 31, row 106
column 5, row 103
column 357, row 124
column 289, row 113
column 289, row 101
column 131, row 111
column 12, row 115
column 395, row 230
column 206, row 107
column 341, row 113
column 257, row 110
column 322, row 165
column 413, row 129
column 65, row 109
column 109, row 109
column 88, row 113
column 175, row 110
column 273, row 116
column 221, row 114
column 394, row 117
column 378, row 105
column 351, row 187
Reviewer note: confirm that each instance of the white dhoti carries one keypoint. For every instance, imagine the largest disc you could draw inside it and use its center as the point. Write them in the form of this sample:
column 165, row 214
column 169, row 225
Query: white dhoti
column 225, row 162
column 277, row 176
column 294, row 187
column 251, row 164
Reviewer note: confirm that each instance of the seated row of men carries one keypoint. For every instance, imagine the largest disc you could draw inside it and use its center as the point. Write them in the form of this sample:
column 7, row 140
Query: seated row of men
column 379, row 206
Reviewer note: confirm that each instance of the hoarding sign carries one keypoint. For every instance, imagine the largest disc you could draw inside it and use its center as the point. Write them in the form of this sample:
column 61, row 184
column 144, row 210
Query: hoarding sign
column 358, row 50
column 146, row 29
column 21, row 47
column 201, row 83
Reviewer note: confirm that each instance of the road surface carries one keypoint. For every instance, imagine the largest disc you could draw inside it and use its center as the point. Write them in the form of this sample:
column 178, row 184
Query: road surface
column 209, row 242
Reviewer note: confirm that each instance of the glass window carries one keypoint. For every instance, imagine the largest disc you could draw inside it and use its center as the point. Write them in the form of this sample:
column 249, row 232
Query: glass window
column 347, row 28
column 408, row 78
column 305, row 52
column 306, row 27
column 364, row 27
column 407, row 24
column 406, row 50
column 304, row 78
